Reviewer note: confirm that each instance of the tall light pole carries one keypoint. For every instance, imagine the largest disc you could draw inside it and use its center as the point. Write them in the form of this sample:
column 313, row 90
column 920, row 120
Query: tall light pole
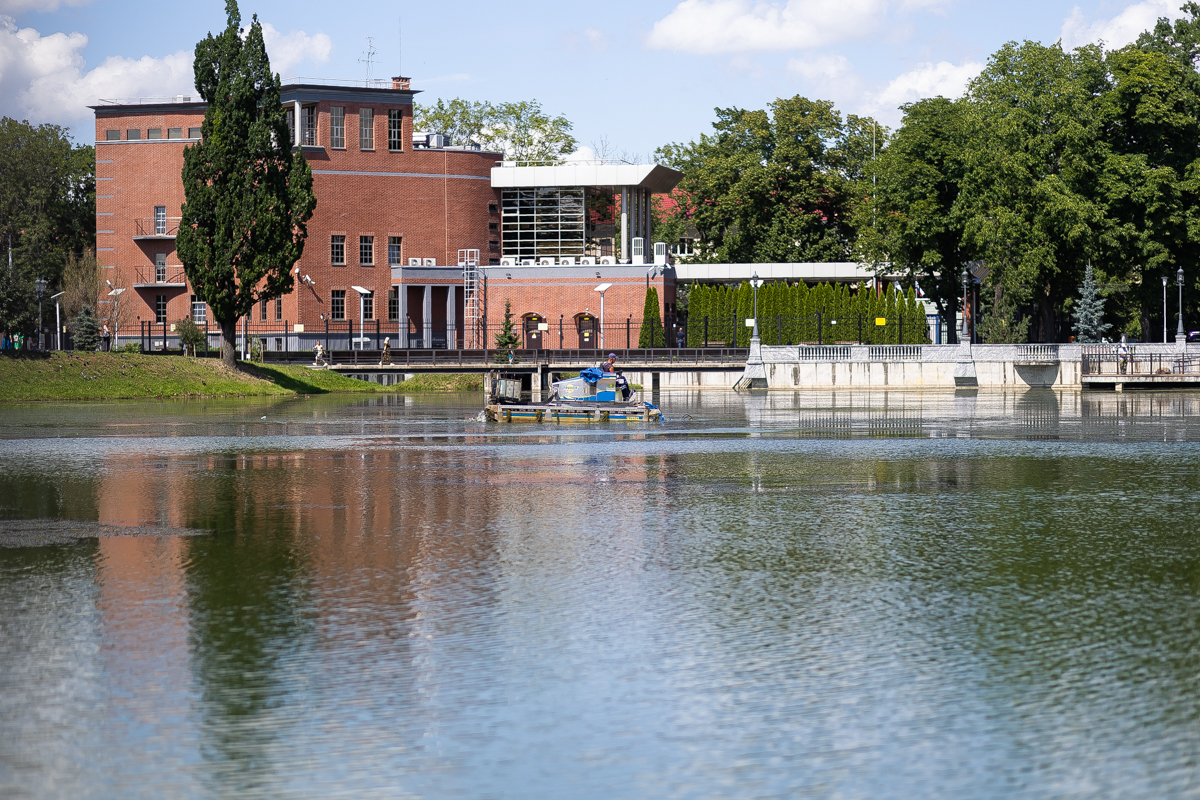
column 362, row 323
column 1164, row 308
column 40, row 286
column 755, row 282
column 602, row 288
column 966, row 334
column 57, row 322
column 1179, row 334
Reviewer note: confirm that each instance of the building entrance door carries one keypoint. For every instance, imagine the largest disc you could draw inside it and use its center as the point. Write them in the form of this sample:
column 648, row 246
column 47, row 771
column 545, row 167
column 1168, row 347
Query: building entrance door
column 589, row 331
column 533, row 334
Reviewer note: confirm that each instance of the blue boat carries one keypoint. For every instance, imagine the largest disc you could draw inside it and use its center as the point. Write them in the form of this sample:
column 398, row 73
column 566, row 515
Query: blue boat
column 594, row 396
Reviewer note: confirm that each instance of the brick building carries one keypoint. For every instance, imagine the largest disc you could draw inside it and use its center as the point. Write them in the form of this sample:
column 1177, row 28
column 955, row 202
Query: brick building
column 398, row 217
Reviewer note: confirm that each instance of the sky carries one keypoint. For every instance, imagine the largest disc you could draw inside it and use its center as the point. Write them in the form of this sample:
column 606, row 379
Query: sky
column 631, row 75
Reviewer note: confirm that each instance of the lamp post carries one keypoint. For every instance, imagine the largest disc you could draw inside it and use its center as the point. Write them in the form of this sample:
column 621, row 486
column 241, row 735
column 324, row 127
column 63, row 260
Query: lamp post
column 40, row 285
column 1179, row 334
column 1164, row 308
column 57, row 322
column 966, row 334
column 362, row 323
column 602, row 288
column 755, row 282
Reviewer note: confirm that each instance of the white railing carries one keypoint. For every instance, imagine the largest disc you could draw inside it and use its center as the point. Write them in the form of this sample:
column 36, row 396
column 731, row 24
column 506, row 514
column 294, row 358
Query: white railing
column 370, row 83
column 827, row 352
column 894, row 352
column 1038, row 352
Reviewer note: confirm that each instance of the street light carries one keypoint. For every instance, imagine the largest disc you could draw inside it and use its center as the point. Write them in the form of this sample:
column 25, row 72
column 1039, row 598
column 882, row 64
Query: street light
column 966, row 333
column 755, row 282
column 57, row 322
column 1179, row 334
column 1164, row 308
column 362, row 324
column 602, row 288
column 40, row 285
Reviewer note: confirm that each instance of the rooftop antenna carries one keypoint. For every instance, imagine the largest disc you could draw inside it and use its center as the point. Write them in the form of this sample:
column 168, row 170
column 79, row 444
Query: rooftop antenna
column 400, row 35
column 370, row 56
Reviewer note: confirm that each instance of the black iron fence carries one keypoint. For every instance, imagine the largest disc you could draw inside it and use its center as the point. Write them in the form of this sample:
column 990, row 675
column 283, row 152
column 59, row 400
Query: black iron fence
column 1108, row 361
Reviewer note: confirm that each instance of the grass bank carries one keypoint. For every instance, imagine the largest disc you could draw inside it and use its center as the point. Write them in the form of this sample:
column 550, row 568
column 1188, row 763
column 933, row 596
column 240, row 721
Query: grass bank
column 119, row 376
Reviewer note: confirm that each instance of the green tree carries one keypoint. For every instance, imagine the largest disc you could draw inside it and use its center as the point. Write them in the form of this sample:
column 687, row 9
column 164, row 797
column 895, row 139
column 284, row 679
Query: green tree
column 507, row 338
column 18, row 306
column 1089, row 311
column 522, row 131
column 191, row 335
column 86, row 330
column 248, row 197
column 651, row 333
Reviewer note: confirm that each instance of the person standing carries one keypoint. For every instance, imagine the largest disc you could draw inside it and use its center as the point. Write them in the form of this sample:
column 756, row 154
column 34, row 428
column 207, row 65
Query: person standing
column 105, row 338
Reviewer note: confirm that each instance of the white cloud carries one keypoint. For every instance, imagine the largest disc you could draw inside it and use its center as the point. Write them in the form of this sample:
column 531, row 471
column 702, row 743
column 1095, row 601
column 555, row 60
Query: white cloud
column 830, row 75
column 288, row 50
column 738, row 26
column 596, row 39
column 927, row 80
column 45, row 78
column 1119, row 30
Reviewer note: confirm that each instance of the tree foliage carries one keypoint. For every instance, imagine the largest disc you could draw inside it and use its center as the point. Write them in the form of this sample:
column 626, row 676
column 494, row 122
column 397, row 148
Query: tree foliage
column 507, row 338
column 651, row 333
column 1089, row 311
column 522, row 131
column 248, row 197
column 85, row 330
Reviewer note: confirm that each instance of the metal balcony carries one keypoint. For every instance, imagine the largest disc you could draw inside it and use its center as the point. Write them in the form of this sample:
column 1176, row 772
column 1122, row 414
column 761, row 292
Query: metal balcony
column 157, row 278
column 152, row 228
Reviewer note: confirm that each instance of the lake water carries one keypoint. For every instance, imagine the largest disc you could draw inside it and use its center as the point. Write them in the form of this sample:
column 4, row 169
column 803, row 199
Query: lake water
column 852, row 595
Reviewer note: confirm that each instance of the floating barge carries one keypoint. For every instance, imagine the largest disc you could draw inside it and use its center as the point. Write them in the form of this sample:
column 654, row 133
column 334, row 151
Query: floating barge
column 589, row 398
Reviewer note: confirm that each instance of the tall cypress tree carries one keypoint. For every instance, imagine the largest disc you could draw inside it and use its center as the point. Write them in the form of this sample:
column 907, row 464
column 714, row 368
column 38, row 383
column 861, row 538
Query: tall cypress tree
column 247, row 196
column 651, row 334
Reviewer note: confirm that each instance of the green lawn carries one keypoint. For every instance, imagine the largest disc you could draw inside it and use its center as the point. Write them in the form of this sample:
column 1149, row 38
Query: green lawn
column 116, row 376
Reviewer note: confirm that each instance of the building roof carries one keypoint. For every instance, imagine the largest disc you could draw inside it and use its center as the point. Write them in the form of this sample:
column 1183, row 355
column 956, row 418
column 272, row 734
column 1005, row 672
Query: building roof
column 654, row 177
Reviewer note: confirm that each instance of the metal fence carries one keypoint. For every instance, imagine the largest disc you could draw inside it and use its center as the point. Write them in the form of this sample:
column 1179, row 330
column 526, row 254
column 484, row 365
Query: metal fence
column 1106, row 361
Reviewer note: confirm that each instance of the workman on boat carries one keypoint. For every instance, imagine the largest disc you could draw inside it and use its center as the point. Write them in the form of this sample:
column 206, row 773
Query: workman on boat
column 610, row 365
column 610, row 368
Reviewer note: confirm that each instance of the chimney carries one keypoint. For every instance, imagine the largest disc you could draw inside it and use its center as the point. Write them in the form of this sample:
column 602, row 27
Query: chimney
column 401, row 83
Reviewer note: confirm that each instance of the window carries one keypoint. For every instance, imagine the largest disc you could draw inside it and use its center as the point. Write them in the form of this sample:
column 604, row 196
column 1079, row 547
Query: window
column 199, row 311
column 337, row 250
column 395, row 130
column 366, row 129
column 494, row 226
column 160, row 220
column 174, row 133
column 337, row 128
column 262, row 311
column 494, row 245
column 133, row 134
column 394, row 304
column 193, row 133
column 493, row 208
column 368, row 306
column 291, row 121
column 394, row 251
column 278, row 345
column 366, row 251
column 160, row 267
column 337, row 304
column 112, row 136
column 278, row 310
column 309, row 115
column 154, row 133
column 160, row 309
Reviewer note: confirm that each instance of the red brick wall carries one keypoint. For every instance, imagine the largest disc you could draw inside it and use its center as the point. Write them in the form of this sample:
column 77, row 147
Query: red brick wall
column 435, row 216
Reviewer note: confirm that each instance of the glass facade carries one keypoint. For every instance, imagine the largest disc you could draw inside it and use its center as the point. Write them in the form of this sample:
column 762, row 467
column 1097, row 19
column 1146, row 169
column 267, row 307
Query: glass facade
column 545, row 221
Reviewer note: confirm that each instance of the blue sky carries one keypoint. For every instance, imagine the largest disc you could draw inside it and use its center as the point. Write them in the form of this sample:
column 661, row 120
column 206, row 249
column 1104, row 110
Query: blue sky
column 632, row 74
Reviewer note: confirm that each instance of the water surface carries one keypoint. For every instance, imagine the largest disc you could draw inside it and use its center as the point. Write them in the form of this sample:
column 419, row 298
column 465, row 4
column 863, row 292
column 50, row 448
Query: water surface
column 872, row 595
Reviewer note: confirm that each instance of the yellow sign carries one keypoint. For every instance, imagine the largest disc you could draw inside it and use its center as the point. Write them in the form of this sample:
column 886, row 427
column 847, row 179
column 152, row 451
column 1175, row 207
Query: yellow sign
column 881, row 320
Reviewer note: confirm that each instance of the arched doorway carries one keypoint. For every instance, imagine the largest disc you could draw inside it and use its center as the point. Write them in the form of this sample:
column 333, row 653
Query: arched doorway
column 535, row 327
column 588, row 328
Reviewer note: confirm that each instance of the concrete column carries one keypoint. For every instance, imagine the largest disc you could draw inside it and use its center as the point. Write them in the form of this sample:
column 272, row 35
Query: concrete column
column 298, row 118
column 451, row 321
column 402, row 292
column 427, row 316
column 624, row 257
column 646, row 232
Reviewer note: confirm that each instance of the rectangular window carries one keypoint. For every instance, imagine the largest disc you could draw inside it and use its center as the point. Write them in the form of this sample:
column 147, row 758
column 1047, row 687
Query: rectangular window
column 337, row 304
column 337, row 250
column 494, row 226
column 493, row 208
column 160, row 220
column 278, row 309
column 368, row 306
column 133, row 134
column 394, row 304
column 394, row 251
column 262, row 311
column 395, row 130
column 154, row 133
column 112, row 136
column 309, row 114
column 366, row 251
column 337, row 128
column 193, row 133
column 366, row 129
column 160, row 267
column 174, row 133
column 199, row 311
column 160, row 309
column 291, row 121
